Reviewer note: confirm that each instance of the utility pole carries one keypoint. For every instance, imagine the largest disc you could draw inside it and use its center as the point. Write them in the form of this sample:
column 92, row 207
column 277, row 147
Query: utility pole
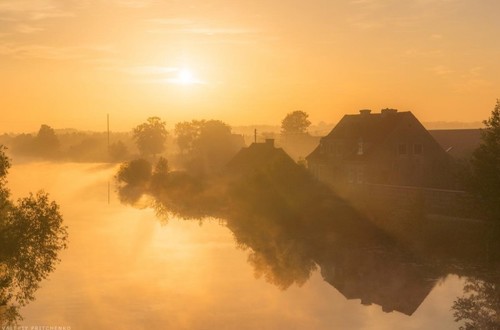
column 108, row 132
column 255, row 135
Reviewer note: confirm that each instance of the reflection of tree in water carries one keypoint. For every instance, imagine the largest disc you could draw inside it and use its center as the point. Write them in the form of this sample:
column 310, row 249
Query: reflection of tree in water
column 291, row 225
column 31, row 235
column 479, row 308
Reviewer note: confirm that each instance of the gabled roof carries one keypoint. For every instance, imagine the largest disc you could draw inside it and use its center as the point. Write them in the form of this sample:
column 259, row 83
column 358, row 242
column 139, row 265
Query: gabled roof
column 258, row 156
column 371, row 128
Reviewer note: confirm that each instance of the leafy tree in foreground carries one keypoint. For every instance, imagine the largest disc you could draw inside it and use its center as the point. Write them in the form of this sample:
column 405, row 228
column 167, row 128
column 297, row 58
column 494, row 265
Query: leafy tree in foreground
column 485, row 166
column 31, row 236
column 479, row 308
column 151, row 136
column 296, row 122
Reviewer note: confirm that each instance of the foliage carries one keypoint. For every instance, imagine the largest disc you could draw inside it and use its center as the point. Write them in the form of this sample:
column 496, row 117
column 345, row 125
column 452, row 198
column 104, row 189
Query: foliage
column 206, row 145
column 151, row 136
column 295, row 122
column 118, row 151
column 485, row 179
column 4, row 163
column 135, row 172
column 72, row 145
column 187, row 133
column 159, row 179
column 31, row 236
column 47, row 142
column 480, row 307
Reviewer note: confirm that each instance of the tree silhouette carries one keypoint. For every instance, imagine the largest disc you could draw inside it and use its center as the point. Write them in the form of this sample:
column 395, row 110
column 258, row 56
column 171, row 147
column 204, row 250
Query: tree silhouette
column 187, row 133
column 479, row 307
column 485, row 178
column 135, row 172
column 47, row 143
column 151, row 136
column 206, row 145
column 295, row 123
column 31, row 236
column 118, row 151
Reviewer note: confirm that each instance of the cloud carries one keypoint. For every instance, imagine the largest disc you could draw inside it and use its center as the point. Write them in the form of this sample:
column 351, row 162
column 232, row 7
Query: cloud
column 54, row 53
column 218, row 31
column 156, row 74
column 134, row 3
column 187, row 26
column 146, row 70
column 27, row 29
column 32, row 10
column 425, row 53
column 441, row 70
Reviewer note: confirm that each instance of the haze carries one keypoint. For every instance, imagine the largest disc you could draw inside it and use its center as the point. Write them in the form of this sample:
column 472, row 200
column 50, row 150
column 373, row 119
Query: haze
column 69, row 63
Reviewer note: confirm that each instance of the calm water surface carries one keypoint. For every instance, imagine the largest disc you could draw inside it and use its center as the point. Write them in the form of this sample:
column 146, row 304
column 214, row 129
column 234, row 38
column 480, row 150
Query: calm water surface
column 124, row 269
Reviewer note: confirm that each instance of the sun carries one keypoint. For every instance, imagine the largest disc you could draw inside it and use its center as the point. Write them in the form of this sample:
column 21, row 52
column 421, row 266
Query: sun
column 185, row 77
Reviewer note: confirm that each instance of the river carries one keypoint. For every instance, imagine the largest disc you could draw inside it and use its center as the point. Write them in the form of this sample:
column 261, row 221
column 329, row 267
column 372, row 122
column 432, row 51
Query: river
column 125, row 269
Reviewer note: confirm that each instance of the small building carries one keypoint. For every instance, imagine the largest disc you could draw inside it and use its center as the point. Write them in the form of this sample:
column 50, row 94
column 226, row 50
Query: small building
column 389, row 147
column 260, row 156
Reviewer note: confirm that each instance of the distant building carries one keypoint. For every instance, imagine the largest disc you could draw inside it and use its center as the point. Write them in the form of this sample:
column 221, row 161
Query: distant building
column 389, row 147
column 458, row 143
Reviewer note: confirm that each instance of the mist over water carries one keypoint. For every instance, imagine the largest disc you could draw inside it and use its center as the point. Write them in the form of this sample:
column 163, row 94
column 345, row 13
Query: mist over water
column 236, row 265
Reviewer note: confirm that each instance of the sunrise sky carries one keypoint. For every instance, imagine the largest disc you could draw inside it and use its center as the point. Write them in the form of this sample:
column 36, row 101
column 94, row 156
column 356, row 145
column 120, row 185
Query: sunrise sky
column 68, row 63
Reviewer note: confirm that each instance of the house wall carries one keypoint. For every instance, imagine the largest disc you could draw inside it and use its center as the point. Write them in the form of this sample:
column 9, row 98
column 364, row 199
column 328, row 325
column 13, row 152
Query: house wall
column 407, row 156
column 424, row 162
column 444, row 202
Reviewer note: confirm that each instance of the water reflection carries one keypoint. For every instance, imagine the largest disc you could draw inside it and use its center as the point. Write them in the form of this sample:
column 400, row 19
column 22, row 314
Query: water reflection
column 31, row 236
column 290, row 225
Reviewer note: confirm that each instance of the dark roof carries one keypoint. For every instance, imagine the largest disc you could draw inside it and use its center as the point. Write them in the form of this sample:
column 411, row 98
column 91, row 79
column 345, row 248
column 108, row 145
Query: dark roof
column 458, row 143
column 372, row 128
column 259, row 155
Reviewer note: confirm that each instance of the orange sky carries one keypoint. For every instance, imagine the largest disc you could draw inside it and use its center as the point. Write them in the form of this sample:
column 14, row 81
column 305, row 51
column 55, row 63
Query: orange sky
column 67, row 63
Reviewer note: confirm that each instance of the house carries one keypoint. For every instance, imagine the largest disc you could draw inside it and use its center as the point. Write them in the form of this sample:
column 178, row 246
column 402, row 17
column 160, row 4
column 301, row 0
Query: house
column 390, row 147
column 260, row 156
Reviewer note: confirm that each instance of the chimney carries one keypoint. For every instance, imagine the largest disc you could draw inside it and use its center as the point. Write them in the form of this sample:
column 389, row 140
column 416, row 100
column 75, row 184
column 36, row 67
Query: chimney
column 270, row 142
column 388, row 111
column 365, row 112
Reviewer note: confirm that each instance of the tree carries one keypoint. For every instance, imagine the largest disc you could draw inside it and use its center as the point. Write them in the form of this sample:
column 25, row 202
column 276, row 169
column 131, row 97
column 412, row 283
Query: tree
column 186, row 133
column 31, row 236
column 295, row 123
column 485, row 166
column 151, row 136
column 479, row 308
column 206, row 145
column 47, row 143
column 118, row 151
column 135, row 172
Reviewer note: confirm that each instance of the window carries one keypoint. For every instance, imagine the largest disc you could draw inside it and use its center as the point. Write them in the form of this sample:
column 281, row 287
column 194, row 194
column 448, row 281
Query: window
column 402, row 149
column 360, row 175
column 417, row 149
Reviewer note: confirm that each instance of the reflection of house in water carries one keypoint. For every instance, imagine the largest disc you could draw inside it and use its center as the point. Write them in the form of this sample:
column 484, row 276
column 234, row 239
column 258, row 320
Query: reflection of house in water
column 380, row 278
column 259, row 155
column 390, row 147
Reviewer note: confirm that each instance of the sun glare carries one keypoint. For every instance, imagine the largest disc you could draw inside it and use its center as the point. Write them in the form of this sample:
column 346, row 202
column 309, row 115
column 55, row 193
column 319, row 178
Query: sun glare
column 185, row 77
